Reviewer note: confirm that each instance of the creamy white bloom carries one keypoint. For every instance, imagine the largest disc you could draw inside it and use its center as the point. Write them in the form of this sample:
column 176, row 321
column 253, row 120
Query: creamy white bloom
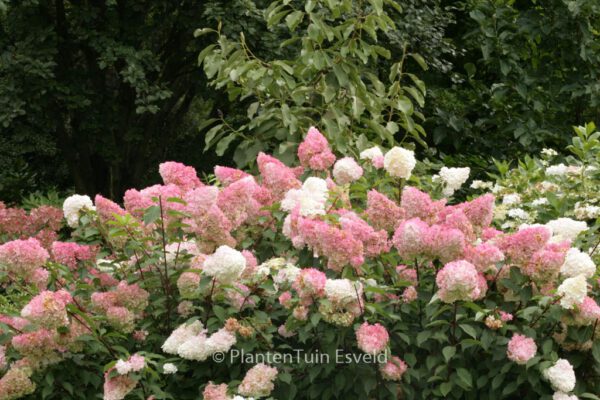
column 549, row 152
column 123, row 367
column 169, row 368
column 578, row 263
column 225, row 264
column 561, row 376
column 572, row 291
column 478, row 184
column 518, row 213
column 546, row 186
column 399, row 162
column 287, row 274
column 73, row 205
column 311, row 197
column 563, row 396
column 342, row 290
column 511, row 199
column 539, row 202
column 199, row 348
column 587, row 211
column 453, row 178
column 346, row 170
column 556, row 170
column 180, row 336
column 566, row 228
column 371, row 153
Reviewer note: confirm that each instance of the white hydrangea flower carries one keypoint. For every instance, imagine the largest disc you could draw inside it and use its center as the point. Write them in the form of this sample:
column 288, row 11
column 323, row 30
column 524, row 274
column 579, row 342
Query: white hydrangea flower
column 346, row 170
column 518, row 213
column 453, row 179
column 371, row 153
column 194, row 349
column 578, row 263
column 563, row 396
column 566, row 228
column 556, row 170
column 73, row 205
column 341, row 290
column 572, row 291
column 539, row 202
column 399, row 162
column 225, row 264
column 587, row 211
column 169, row 368
column 511, row 199
column 311, row 197
column 546, row 186
column 549, row 152
column 478, row 184
column 123, row 367
column 180, row 336
column 561, row 376
column 287, row 274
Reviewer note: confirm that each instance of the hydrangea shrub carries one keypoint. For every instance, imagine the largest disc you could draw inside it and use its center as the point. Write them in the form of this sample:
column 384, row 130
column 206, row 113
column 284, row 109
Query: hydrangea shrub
column 375, row 289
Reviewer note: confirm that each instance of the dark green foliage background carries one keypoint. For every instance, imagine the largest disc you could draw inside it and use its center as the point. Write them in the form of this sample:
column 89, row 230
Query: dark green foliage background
column 94, row 94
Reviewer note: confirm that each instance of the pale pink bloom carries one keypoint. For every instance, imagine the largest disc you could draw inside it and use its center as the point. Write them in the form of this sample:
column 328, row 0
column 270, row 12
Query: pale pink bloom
column 381, row 212
column 22, row 257
column 136, row 202
column 409, row 294
column 285, row 299
column 258, row 381
column 459, row 280
column 588, row 311
column 228, row 175
column 121, row 318
column 69, row 253
column 505, row 317
column 372, row 339
column 457, row 219
column 410, row 238
column 521, row 349
column 300, row 313
column 277, row 177
column 185, row 308
column 393, row 369
column 378, row 161
column 118, row 387
column 174, row 173
column 544, row 264
column 48, row 309
column 418, row 204
column 16, row 383
column 314, row 151
column 39, row 278
column 188, row 284
column 407, row 274
column 238, row 202
column 310, row 282
column 490, row 233
column 140, row 335
column 518, row 247
column 484, row 256
column 282, row 330
column 374, row 242
column 215, row 392
column 107, row 209
column 445, row 243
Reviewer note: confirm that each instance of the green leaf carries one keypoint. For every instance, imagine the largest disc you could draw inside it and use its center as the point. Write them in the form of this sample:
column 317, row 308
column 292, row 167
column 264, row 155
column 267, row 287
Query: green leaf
column 420, row 60
column 151, row 214
column 445, row 388
column 448, row 352
column 469, row 330
column 293, row 19
column 465, row 376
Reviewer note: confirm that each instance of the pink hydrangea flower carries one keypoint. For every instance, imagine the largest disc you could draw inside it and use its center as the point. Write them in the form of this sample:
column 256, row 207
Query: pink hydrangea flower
column 480, row 211
column 445, row 243
column 69, row 253
column 410, row 238
column 107, row 209
column 459, row 280
column 310, row 282
column 285, row 299
column 228, row 175
column 238, row 202
column 521, row 245
column 381, row 212
column 258, row 381
column 277, row 177
column 314, row 151
column 374, row 242
column 484, row 256
column 178, row 174
column 544, row 264
column 215, row 392
column 393, row 369
column 188, row 283
column 409, row 294
column 116, row 388
column 521, row 349
column 407, row 274
column 588, row 311
column 506, row 317
column 48, row 309
column 346, row 170
column 372, row 339
column 16, row 383
column 418, row 204
column 22, row 257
